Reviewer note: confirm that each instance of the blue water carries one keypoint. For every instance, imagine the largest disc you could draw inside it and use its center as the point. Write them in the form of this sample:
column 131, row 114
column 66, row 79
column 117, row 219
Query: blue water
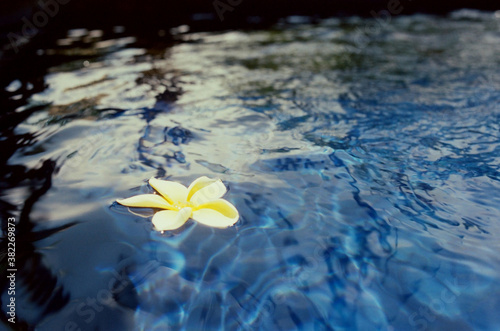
column 364, row 162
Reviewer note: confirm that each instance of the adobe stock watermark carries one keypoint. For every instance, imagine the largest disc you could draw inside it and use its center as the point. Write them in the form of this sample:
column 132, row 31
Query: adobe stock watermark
column 87, row 146
column 40, row 19
column 88, row 309
column 222, row 6
column 382, row 19
column 255, row 313
column 452, row 290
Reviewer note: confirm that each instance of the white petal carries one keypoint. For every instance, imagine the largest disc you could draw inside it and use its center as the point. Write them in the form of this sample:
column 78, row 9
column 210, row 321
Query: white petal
column 146, row 201
column 171, row 219
column 219, row 213
column 205, row 189
column 172, row 191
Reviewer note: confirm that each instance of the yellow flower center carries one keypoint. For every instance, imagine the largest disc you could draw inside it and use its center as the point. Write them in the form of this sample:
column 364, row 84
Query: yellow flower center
column 182, row 204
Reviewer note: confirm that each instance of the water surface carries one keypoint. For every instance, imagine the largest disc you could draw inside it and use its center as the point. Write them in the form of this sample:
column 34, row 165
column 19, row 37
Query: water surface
column 363, row 159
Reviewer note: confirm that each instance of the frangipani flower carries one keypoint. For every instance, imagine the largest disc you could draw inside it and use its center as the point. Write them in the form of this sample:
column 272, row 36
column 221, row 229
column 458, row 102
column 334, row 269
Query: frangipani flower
column 201, row 201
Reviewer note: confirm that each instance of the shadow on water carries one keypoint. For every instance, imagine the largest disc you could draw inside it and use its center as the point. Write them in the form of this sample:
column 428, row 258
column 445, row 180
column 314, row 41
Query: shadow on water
column 41, row 285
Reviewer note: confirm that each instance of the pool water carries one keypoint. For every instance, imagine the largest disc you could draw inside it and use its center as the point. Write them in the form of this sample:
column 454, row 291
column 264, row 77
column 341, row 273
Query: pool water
column 364, row 160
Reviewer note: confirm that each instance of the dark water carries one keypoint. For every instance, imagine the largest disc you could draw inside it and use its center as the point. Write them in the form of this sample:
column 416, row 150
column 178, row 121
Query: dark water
column 364, row 161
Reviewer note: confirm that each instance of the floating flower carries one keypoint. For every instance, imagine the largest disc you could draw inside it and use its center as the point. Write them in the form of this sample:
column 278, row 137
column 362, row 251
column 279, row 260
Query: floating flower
column 201, row 201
